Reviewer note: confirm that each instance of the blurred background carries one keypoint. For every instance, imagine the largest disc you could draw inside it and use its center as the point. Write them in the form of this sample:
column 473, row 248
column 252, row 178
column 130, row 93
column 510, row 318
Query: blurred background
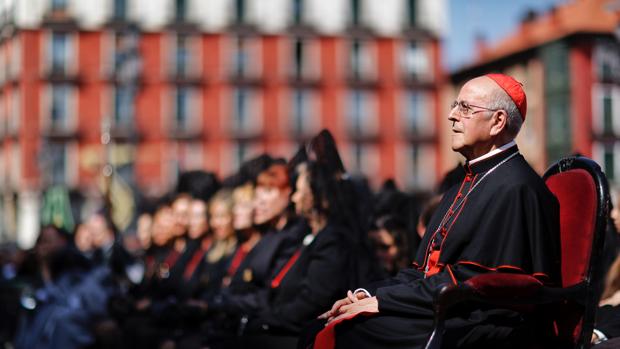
column 109, row 100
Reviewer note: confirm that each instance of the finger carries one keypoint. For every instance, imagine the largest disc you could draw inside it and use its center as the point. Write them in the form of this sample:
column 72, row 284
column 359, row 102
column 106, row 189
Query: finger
column 325, row 315
column 351, row 296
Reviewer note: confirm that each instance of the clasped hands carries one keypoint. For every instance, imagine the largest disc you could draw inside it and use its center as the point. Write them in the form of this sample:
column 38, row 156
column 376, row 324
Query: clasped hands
column 351, row 305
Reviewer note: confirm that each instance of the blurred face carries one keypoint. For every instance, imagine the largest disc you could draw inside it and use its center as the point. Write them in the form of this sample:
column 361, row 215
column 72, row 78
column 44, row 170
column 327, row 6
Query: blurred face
column 49, row 242
column 302, row 198
column 471, row 133
column 101, row 235
column 269, row 203
column 221, row 220
column 162, row 226
column 83, row 239
column 144, row 226
column 243, row 211
column 198, row 224
column 385, row 246
column 181, row 212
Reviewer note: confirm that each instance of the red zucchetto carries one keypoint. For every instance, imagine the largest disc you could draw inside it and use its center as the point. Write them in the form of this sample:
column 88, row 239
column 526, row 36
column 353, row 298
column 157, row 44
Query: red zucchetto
column 514, row 89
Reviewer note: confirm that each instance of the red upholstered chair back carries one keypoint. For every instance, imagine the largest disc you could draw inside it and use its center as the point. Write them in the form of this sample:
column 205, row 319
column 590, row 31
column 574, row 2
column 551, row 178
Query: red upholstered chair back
column 581, row 189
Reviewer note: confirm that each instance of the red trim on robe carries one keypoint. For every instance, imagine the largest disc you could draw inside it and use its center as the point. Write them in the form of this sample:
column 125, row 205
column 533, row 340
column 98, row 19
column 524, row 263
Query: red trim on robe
column 451, row 274
column 275, row 283
column 193, row 263
column 326, row 339
column 506, row 266
column 239, row 256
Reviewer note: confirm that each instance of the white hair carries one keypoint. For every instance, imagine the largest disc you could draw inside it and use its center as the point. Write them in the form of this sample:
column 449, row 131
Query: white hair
column 500, row 100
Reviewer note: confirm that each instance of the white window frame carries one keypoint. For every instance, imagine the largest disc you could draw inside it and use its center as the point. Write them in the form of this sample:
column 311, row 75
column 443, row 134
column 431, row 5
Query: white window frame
column 370, row 160
column 425, row 118
column 15, row 60
column 194, row 109
column 72, row 49
column 599, row 91
column 424, row 67
column 369, row 110
column 421, row 175
column 71, row 118
column 254, row 109
column 311, row 121
column 311, row 68
column 194, row 42
column 254, row 70
column 368, row 59
column 15, row 111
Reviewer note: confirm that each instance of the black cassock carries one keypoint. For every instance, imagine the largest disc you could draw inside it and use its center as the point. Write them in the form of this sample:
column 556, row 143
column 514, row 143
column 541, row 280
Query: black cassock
column 507, row 221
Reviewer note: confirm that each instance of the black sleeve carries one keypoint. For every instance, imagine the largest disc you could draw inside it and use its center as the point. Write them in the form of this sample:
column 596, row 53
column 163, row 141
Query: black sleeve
column 323, row 283
column 415, row 297
column 608, row 320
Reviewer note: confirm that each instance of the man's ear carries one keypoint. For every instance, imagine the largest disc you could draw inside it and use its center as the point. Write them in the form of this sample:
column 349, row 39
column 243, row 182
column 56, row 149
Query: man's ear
column 500, row 119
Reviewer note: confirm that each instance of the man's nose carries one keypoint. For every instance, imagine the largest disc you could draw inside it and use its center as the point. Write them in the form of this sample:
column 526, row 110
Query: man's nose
column 453, row 115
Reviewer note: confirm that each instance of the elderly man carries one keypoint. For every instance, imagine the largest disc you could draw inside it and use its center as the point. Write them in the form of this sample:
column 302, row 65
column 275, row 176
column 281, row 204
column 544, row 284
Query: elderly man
column 501, row 217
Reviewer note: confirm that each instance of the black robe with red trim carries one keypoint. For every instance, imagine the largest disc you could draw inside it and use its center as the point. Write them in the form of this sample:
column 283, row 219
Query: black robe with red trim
column 509, row 222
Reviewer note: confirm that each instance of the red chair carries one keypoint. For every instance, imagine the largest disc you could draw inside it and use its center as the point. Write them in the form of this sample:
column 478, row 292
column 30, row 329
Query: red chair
column 582, row 191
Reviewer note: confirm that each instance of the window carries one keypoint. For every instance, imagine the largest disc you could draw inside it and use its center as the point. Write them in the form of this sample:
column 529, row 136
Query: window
column 125, row 56
column 356, row 12
column 15, row 61
column 59, row 165
column 609, row 163
column 246, row 58
column 60, row 53
column 607, row 60
column 297, row 11
column 608, row 127
column 59, row 5
column 417, row 113
column 416, row 166
column 237, row 153
column 363, row 159
column 185, row 59
column 120, row 10
column 361, row 60
column 304, row 58
column 240, row 11
column 246, row 111
column 180, row 10
column 123, row 106
column 415, row 61
column 185, row 116
column 411, row 13
column 189, row 156
column 361, row 113
column 304, row 113
column 14, row 118
column 61, row 107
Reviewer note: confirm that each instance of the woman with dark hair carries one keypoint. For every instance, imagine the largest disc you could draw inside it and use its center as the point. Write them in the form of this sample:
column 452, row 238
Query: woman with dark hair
column 313, row 276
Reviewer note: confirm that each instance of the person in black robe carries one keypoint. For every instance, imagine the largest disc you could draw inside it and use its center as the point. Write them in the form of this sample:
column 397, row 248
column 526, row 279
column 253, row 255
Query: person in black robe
column 332, row 254
column 501, row 217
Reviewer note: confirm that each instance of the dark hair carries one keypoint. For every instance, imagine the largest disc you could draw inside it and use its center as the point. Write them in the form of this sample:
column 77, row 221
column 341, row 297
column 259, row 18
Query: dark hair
column 199, row 184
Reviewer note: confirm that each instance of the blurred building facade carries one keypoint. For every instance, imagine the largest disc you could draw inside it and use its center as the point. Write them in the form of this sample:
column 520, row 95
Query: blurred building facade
column 569, row 62
column 154, row 87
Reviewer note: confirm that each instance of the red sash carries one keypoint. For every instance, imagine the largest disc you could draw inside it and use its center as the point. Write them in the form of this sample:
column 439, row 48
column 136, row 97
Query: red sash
column 276, row 281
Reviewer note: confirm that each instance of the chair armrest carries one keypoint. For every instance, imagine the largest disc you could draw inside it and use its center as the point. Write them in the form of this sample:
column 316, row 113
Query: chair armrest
column 501, row 289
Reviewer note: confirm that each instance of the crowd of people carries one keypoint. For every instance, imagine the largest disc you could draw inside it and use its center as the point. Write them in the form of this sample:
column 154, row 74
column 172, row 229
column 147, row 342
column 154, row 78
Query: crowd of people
column 247, row 261
column 299, row 254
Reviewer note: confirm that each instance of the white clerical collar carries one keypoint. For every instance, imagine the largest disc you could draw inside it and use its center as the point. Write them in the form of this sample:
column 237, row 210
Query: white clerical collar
column 493, row 152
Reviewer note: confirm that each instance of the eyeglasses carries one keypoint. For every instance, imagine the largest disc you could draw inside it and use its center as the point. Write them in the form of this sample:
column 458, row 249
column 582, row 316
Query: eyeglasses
column 466, row 109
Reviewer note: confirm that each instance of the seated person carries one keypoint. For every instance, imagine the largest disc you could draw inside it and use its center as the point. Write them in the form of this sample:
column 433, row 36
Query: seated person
column 501, row 217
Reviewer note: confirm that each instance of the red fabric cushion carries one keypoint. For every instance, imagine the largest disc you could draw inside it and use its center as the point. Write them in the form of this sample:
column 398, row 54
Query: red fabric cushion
column 504, row 285
column 576, row 192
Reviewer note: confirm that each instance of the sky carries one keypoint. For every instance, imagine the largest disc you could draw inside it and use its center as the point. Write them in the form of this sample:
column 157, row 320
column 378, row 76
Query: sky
column 494, row 19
